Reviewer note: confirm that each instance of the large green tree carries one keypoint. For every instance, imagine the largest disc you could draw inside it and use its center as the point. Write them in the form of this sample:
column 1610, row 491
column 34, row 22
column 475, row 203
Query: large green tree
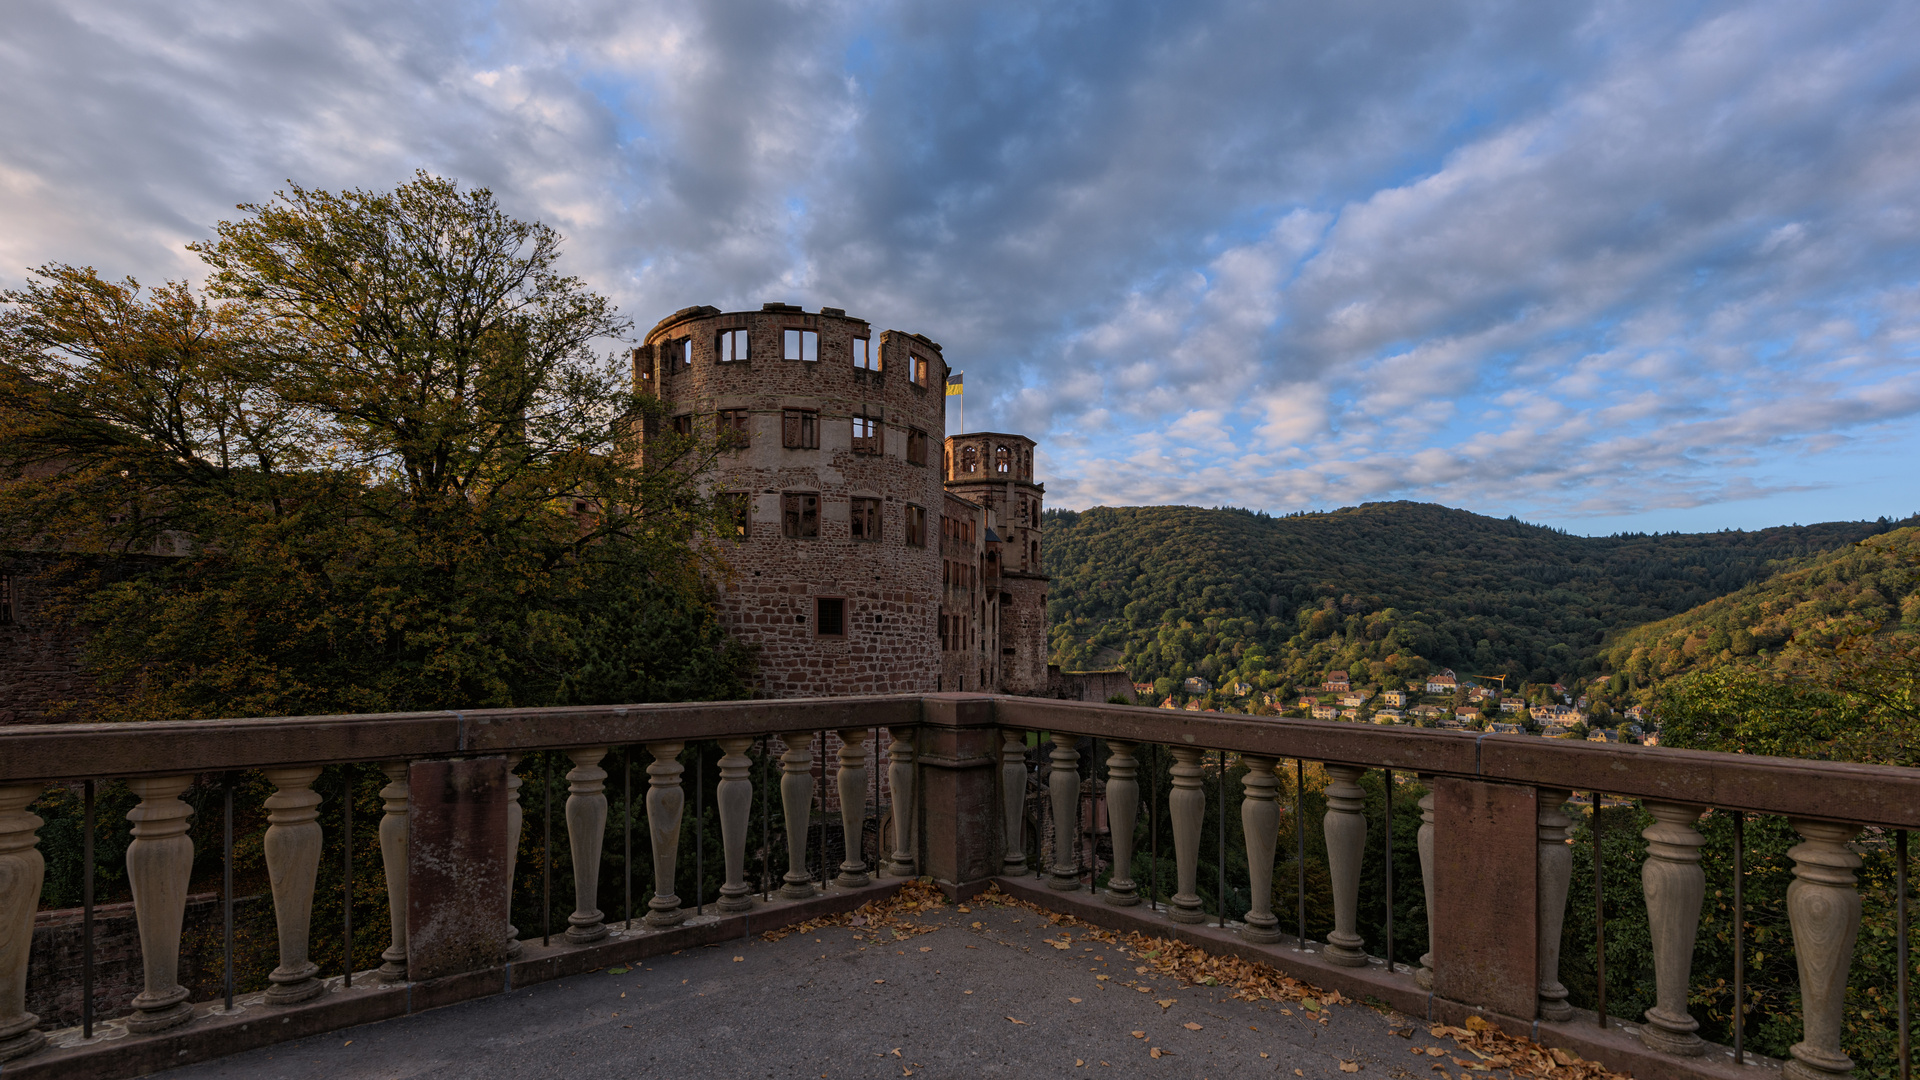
column 377, row 466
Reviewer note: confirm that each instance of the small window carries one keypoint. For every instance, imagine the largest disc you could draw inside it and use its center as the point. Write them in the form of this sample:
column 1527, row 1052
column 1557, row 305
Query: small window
column 969, row 460
column 1002, row 460
column 916, row 446
column 803, row 345
column 6, row 599
column 920, row 368
column 682, row 352
column 800, row 429
column 830, row 616
column 864, row 358
column 683, row 424
column 800, row 515
column 865, row 523
column 866, row 435
column 738, row 506
column 732, row 346
column 1036, row 559
column 916, row 525
column 734, row 433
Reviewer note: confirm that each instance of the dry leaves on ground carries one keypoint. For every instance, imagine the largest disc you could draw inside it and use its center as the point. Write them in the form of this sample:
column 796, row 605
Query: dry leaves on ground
column 875, row 915
column 1495, row 1049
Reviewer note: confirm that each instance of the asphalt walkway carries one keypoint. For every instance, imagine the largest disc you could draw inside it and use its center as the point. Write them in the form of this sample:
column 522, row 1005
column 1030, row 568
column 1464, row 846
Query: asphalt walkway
column 987, row 992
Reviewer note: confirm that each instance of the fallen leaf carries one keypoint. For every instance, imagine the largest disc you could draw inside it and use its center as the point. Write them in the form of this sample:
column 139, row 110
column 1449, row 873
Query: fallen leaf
column 1020, row 1022
column 1076, row 1001
column 1310, row 1005
column 977, row 924
column 1476, row 1023
column 1297, row 1072
column 1139, row 1034
column 1263, row 1053
column 1349, row 1066
column 349, row 1042
column 1155, row 1052
column 926, row 948
column 877, row 982
column 1103, row 978
column 1191, row 1026
column 738, row 959
column 965, row 910
column 1435, row 1051
column 896, row 1052
column 966, row 991
column 1144, row 989
column 1060, row 944
column 1166, row 1003
column 616, row 971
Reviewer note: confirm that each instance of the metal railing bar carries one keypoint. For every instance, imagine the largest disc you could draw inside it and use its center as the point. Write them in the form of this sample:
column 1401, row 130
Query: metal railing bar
column 546, row 852
column 1300, row 844
column 1389, row 815
column 1739, row 938
column 1153, row 826
column 1900, row 920
column 346, row 856
column 1599, row 924
column 86, row 916
column 820, row 800
column 226, row 889
column 1220, row 893
column 626, row 830
column 699, row 831
column 766, row 819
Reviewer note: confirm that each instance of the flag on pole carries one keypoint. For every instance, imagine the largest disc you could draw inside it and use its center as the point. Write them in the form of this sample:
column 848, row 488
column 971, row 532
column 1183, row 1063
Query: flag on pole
column 954, row 380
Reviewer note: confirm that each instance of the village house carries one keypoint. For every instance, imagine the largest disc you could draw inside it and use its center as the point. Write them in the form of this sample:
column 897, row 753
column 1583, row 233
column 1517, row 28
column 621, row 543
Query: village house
column 1336, row 682
column 1603, row 735
column 1354, row 699
column 1395, row 698
column 1427, row 712
column 1192, row 705
column 1196, row 685
column 1388, row 716
column 1326, row 712
column 1499, row 728
column 1240, row 689
column 1445, row 682
column 1512, row 705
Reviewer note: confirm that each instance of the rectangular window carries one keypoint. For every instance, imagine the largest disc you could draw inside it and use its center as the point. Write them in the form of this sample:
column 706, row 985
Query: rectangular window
column 733, row 429
column 866, row 519
column 916, row 446
column 800, row 429
column 863, row 355
column 682, row 352
column 6, row 599
column 732, row 346
column 830, row 616
column 866, row 435
column 916, row 525
column 683, row 424
column 920, row 368
column 803, row 345
column 738, row 506
column 800, row 515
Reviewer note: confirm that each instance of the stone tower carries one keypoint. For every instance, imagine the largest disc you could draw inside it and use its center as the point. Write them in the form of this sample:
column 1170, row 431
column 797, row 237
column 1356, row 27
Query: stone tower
column 994, row 470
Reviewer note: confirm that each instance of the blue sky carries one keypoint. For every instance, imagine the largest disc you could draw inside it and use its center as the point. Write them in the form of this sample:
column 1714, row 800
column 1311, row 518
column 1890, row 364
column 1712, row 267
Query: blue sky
column 1603, row 265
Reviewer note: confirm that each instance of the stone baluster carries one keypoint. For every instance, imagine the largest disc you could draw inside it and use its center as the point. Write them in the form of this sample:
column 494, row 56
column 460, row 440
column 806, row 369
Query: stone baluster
column 1675, row 888
column 1186, row 805
column 393, row 858
column 1064, row 787
column 159, row 866
column 22, row 872
column 1823, row 907
column 586, row 835
column 665, row 800
column 734, row 795
column 1553, row 873
column 1423, row 978
column 293, row 863
column 796, row 801
column 515, row 819
column 1013, row 800
column 853, row 806
column 1260, row 822
column 1346, row 829
column 900, row 779
column 1123, row 808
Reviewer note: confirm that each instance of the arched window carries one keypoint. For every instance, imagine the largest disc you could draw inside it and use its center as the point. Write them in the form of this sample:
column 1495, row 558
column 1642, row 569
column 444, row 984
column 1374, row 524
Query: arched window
column 1003, row 460
column 969, row 460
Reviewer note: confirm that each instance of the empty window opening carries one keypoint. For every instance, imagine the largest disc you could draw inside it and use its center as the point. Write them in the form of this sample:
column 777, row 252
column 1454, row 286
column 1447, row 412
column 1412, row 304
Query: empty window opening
column 1002, row 460
column 682, row 352
column 683, row 424
column 864, row 523
column 738, row 506
column 800, row 515
column 916, row 525
column 6, row 599
column 734, row 432
column 916, row 446
column 800, row 429
column 803, row 345
column 732, row 346
column 864, row 357
column 830, row 616
column 969, row 460
column 866, row 435
column 920, row 369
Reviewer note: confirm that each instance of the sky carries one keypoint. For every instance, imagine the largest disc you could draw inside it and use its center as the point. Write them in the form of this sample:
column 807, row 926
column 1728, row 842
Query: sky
column 1603, row 266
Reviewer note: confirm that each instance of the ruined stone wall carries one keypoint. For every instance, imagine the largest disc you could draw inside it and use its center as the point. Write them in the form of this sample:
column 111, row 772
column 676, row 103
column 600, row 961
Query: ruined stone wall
column 890, row 587
column 40, row 657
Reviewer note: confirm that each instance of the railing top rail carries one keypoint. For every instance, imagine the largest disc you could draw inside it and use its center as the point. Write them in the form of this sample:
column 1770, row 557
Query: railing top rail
column 1838, row 791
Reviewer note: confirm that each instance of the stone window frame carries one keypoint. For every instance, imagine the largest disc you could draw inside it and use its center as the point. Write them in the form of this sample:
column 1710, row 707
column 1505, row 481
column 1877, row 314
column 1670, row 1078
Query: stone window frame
column 683, row 424
column 1002, row 460
column 920, row 369
column 837, row 605
column 790, row 343
column 865, row 357
column 873, row 442
column 916, row 525
column 969, row 460
column 916, row 446
column 731, row 346
column 737, row 421
column 800, row 429
column 795, row 519
column 6, row 599
column 863, row 519
column 680, row 354
column 739, row 507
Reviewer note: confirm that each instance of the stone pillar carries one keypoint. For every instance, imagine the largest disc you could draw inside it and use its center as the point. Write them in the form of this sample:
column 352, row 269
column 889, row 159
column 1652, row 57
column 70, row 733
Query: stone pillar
column 900, row 779
column 1123, row 808
column 1346, row 829
column 1186, row 804
column 293, row 863
column 1064, row 786
column 22, row 872
column 1260, row 823
column 1013, row 800
column 1491, row 856
column 159, row 866
column 1675, row 887
column 665, row 801
column 393, row 858
column 458, row 888
column 796, row 801
column 853, row 806
column 1823, row 907
column 586, row 835
column 1555, row 871
column 734, row 796
column 515, row 819
column 1424, row 841
column 960, row 757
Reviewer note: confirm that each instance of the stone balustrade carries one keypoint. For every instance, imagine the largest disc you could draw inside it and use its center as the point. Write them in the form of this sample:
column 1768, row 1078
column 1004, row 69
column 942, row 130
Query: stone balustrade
column 959, row 769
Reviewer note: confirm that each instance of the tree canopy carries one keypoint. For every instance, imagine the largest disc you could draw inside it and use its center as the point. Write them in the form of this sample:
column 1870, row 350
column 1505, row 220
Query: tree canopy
column 376, row 465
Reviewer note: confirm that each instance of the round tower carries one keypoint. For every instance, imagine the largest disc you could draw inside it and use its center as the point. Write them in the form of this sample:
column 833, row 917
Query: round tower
column 836, row 577
column 995, row 469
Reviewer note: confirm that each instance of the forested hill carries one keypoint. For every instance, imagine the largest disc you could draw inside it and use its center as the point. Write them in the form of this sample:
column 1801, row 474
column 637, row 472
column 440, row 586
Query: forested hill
column 1384, row 590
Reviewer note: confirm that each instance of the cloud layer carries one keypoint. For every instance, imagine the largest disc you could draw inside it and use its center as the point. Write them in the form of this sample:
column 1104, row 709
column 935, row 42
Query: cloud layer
column 1610, row 265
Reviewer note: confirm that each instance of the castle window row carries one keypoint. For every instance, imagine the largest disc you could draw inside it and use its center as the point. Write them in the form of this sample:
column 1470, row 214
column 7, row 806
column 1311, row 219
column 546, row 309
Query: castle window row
column 800, row 517
column 801, row 346
column 800, row 430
